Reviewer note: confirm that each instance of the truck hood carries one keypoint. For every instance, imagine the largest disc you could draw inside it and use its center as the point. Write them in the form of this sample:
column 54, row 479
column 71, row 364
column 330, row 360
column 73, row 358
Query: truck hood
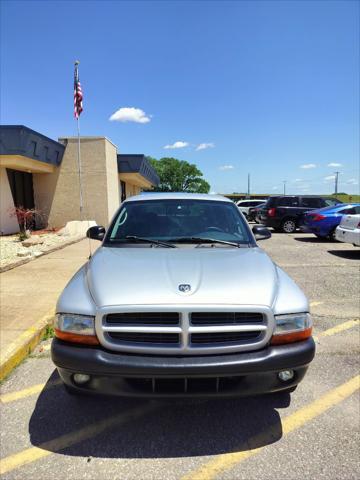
column 135, row 276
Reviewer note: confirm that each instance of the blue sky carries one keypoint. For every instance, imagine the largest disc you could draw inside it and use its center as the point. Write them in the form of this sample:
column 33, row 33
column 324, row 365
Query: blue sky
column 268, row 87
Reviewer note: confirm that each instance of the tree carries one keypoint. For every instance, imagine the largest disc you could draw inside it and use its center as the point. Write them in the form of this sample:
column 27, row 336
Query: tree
column 178, row 176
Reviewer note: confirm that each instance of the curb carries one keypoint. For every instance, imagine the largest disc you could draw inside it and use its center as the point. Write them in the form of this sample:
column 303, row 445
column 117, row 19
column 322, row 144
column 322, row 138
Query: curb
column 5, row 268
column 23, row 345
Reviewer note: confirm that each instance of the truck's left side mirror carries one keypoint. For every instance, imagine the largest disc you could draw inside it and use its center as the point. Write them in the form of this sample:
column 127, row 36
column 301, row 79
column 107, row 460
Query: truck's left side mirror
column 261, row 232
column 96, row 233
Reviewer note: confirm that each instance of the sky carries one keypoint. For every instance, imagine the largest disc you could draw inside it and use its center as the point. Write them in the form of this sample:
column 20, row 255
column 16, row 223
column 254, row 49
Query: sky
column 266, row 88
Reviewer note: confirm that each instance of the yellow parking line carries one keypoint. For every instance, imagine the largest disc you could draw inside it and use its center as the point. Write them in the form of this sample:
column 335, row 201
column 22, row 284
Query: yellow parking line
column 65, row 441
column 340, row 328
column 314, row 304
column 294, row 421
column 26, row 392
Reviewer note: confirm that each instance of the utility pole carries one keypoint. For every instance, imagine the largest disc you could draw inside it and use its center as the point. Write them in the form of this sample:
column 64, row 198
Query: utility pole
column 284, row 182
column 336, row 181
column 248, row 190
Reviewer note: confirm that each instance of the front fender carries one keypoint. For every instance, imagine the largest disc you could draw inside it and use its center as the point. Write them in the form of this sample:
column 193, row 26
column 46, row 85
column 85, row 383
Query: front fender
column 76, row 297
column 290, row 298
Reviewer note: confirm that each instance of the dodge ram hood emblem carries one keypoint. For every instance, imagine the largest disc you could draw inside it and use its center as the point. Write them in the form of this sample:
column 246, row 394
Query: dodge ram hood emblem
column 184, row 287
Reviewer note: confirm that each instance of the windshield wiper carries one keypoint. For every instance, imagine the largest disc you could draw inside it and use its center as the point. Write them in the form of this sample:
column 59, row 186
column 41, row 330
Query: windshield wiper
column 148, row 240
column 202, row 240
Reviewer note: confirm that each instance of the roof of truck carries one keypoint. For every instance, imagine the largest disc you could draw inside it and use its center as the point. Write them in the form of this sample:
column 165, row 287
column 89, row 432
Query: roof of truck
column 177, row 196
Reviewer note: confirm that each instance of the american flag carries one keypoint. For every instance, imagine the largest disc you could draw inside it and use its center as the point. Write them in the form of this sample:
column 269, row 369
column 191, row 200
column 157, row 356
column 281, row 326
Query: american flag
column 78, row 96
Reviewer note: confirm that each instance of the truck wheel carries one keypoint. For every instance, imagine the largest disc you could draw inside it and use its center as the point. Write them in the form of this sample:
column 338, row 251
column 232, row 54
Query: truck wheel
column 288, row 225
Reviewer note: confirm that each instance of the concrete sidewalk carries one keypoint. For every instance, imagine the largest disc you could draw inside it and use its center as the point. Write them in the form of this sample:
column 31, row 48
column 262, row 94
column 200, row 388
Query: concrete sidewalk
column 28, row 297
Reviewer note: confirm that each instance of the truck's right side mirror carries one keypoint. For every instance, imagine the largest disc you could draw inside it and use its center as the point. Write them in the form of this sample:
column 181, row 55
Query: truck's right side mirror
column 96, row 233
column 260, row 232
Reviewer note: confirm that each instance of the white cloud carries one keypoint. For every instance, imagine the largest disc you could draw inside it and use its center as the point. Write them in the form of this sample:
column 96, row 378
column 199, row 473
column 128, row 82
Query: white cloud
column 204, row 146
column 329, row 177
column 275, row 188
column 352, row 181
column 308, row 165
column 176, row 145
column 332, row 164
column 226, row 167
column 130, row 114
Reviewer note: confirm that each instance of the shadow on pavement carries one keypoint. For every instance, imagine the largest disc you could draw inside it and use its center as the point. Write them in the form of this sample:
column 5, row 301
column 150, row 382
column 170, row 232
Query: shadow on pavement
column 313, row 240
column 353, row 254
column 173, row 428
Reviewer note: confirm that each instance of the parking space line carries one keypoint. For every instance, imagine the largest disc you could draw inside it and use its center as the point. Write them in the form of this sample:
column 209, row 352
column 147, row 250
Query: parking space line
column 315, row 304
column 340, row 328
column 301, row 417
column 45, row 449
column 26, row 392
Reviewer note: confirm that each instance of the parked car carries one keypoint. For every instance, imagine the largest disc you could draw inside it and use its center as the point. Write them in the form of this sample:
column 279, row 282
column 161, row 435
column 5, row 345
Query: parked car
column 349, row 229
column 284, row 212
column 254, row 212
column 323, row 222
column 245, row 205
column 156, row 310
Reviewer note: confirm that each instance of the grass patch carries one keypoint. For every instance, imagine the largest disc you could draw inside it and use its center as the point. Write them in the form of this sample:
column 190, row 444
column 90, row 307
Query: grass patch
column 48, row 333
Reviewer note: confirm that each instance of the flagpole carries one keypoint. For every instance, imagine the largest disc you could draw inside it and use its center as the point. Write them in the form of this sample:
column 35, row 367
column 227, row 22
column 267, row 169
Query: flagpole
column 79, row 153
column 79, row 167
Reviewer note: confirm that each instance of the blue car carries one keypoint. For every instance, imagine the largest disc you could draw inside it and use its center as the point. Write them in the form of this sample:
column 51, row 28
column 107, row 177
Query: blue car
column 323, row 222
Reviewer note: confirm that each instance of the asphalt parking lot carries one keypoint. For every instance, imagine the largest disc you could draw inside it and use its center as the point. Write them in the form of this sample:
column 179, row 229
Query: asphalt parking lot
column 314, row 433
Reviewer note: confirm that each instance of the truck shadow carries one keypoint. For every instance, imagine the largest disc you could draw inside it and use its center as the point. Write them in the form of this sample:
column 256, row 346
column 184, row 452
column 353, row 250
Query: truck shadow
column 157, row 429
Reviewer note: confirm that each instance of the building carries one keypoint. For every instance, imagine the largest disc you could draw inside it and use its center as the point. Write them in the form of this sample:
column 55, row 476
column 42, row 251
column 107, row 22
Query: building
column 41, row 173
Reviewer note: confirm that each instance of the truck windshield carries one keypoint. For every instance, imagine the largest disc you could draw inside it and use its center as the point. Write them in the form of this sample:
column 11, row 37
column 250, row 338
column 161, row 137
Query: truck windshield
column 181, row 221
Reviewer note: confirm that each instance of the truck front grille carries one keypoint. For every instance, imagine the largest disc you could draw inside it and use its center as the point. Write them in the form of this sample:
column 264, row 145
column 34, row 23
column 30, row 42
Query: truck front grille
column 225, row 318
column 143, row 318
column 155, row 338
column 197, row 332
column 223, row 337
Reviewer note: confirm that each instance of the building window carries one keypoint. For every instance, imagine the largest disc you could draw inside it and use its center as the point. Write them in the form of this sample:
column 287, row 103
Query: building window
column 123, row 190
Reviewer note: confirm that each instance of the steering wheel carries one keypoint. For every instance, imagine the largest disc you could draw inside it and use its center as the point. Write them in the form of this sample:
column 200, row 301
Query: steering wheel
column 215, row 229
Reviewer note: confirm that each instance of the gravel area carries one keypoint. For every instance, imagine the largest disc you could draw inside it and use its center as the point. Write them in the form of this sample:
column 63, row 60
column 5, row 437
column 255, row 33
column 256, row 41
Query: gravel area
column 12, row 250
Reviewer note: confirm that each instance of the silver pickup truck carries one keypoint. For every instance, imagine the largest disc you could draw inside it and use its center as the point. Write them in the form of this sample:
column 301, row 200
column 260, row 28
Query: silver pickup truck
column 179, row 300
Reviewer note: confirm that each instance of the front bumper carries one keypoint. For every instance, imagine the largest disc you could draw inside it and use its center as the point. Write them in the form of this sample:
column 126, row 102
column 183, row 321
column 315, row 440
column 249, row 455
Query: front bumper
column 238, row 374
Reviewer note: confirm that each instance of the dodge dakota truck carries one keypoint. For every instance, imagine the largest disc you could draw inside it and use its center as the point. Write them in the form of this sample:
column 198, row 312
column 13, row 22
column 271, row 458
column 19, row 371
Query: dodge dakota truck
column 179, row 300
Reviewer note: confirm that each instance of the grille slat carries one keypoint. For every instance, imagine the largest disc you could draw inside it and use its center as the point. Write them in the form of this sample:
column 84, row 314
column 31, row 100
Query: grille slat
column 226, row 318
column 155, row 338
column 143, row 318
column 225, row 337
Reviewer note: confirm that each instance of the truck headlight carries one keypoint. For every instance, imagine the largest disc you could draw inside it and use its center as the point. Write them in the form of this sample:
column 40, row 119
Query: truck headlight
column 291, row 328
column 75, row 328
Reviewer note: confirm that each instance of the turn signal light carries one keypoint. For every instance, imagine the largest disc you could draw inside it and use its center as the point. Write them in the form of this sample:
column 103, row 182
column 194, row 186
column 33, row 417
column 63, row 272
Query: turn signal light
column 293, row 337
column 76, row 338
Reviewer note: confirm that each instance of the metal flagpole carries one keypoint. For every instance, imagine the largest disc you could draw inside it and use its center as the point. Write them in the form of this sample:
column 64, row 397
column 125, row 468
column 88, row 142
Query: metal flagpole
column 77, row 114
column 78, row 110
column 79, row 168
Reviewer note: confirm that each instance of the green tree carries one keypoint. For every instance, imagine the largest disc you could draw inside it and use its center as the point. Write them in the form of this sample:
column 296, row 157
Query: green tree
column 178, row 176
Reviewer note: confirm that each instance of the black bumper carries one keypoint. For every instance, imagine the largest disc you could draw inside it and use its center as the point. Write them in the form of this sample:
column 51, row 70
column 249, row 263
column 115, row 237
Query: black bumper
column 138, row 375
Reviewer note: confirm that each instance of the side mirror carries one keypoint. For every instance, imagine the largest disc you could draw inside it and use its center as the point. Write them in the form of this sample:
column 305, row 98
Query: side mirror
column 260, row 232
column 96, row 233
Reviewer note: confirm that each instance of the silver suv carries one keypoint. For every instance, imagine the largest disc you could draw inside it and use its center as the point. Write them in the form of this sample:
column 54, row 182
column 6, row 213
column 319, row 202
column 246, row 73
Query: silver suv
column 180, row 300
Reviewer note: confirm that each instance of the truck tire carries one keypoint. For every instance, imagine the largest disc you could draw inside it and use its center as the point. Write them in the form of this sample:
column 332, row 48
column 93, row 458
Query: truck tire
column 288, row 225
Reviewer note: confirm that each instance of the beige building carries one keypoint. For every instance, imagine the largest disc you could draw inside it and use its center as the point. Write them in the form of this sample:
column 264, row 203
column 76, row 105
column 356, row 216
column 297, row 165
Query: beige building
column 41, row 173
